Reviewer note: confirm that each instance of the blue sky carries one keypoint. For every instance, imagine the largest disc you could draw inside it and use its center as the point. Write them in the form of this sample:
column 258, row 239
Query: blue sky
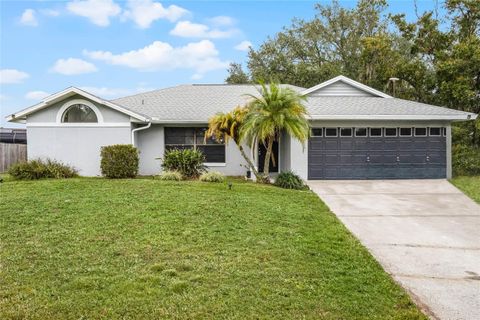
column 116, row 48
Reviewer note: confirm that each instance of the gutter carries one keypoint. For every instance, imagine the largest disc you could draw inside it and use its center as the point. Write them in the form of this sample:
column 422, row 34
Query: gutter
column 139, row 129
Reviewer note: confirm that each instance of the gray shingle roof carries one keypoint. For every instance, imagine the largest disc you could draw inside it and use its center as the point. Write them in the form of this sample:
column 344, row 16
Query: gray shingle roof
column 200, row 102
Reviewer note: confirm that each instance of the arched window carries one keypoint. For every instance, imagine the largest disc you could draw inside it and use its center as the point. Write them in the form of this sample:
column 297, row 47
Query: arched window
column 79, row 113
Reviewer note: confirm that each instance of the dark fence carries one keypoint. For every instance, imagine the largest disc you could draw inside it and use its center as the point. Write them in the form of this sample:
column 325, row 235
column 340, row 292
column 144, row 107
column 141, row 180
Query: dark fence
column 11, row 153
column 18, row 136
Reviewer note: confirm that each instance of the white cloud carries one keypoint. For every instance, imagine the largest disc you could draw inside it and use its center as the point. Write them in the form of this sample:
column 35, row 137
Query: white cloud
column 97, row 11
column 222, row 21
column 12, row 76
column 3, row 97
column 29, row 18
column 72, row 66
column 50, row 12
column 113, row 93
column 189, row 29
column 243, row 46
column 200, row 56
column 36, row 95
column 145, row 12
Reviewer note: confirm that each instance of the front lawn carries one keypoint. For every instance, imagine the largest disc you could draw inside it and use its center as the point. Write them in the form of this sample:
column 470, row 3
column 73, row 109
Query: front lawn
column 469, row 185
column 147, row 249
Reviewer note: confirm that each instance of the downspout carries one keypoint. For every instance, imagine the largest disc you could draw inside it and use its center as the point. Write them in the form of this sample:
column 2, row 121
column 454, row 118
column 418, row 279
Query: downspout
column 138, row 129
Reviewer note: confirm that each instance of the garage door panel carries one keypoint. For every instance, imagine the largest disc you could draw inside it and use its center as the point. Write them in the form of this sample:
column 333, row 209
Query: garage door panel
column 331, row 145
column 437, row 158
column 437, row 144
column 390, row 144
column 346, row 144
column 360, row 144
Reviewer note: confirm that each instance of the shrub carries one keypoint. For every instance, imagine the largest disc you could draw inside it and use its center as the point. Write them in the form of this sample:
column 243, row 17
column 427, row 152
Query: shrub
column 188, row 162
column 465, row 160
column 40, row 169
column 289, row 180
column 119, row 161
column 170, row 175
column 212, row 176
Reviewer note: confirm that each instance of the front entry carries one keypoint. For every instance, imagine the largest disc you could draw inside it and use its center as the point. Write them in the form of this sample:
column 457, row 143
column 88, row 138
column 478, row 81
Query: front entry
column 262, row 150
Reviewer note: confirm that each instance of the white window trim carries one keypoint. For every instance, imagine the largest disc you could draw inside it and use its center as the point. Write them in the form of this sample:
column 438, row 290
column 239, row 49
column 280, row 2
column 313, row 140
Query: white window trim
column 420, row 135
column 435, row 135
column 366, row 132
column 340, row 132
column 325, row 133
column 215, row 164
column 375, row 136
column 385, row 132
column 314, row 135
column 405, row 135
column 70, row 103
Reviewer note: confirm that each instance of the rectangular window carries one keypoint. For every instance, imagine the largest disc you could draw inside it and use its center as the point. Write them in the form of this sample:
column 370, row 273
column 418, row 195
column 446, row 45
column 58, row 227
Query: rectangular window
column 194, row 138
column 405, row 132
column 390, row 132
column 360, row 132
column 375, row 132
column 346, row 132
column 435, row 132
column 317, row 132
column 420, row 132
column 331, row 132
column 444, row 132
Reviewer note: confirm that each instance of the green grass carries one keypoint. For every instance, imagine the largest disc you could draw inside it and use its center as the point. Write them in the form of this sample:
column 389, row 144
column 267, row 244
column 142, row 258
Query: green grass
column 469, row 185
column 149, row 249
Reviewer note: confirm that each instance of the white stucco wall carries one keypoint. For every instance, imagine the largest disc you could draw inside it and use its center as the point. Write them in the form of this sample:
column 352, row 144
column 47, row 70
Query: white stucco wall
column 75, row 144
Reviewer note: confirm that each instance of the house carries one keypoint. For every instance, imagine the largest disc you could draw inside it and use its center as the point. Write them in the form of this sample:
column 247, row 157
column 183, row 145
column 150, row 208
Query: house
column 357, row 132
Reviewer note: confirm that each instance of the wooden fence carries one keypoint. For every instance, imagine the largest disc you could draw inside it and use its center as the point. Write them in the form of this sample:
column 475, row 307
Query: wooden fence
column 11, row 153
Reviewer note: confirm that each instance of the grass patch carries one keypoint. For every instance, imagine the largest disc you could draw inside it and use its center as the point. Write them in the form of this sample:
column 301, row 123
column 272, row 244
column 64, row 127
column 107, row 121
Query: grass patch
column 143, row 248
column 469, row 185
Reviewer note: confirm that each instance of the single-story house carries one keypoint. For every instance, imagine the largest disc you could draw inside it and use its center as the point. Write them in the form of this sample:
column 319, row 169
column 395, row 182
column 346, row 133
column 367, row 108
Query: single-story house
column 357, row 132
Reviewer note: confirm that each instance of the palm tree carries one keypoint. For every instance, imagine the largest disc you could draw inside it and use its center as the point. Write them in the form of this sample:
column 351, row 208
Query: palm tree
column 226, row 127
column 276, row 109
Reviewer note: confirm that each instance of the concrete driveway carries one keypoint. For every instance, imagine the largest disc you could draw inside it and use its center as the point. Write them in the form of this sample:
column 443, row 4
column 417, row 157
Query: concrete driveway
column 425, row 233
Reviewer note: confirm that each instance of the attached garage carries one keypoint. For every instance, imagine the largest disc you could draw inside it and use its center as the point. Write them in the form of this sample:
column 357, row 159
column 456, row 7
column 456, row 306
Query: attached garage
column 377, row 153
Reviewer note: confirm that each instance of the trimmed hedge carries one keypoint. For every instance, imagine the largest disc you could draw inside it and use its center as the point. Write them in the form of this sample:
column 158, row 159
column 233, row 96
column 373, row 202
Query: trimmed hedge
column 188, row 162
column 41, row 169
column 119, row 161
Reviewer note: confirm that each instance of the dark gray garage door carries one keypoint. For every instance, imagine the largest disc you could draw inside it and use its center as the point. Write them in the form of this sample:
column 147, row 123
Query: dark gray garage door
column 377, row 157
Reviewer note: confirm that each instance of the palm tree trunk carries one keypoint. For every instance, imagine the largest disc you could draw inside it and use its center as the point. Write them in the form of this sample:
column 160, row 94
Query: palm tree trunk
column 249, row 162
column 268, row 155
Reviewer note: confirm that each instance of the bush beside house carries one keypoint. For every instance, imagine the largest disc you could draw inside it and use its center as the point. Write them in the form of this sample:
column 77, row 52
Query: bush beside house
column 187, row 161
column 41, row 169
column 119, row 161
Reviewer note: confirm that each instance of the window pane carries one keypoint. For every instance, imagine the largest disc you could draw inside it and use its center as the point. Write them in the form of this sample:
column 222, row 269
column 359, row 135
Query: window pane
column 330, row 132
column 345, row 132
column 435, row 131
column 375, row 132
column 213, row 153
column 179, row 135
column 444, row 132
column 390, row 132
column 420, row 131
column 406, row 132
column 360, row 132
column 79, row 113
column 317, row 132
